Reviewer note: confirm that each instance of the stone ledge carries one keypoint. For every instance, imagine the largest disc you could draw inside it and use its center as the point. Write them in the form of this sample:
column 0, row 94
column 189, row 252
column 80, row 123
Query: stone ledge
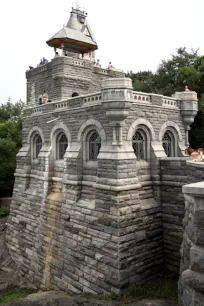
column 195, row 188
column 195, row 164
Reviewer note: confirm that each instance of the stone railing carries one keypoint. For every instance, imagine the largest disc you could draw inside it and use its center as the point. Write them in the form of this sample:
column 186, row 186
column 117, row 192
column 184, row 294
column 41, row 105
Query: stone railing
column 78, row 101
column 141, row 97
column 100, row 70
column 78, row 62
column 38, row 69
column 37, row 110
column 112, row 93
column 169, row 102
column 92, row 98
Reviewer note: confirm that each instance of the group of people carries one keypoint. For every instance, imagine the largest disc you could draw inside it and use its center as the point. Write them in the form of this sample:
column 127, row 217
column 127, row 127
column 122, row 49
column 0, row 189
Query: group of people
column 43, row 61
column 97, row 63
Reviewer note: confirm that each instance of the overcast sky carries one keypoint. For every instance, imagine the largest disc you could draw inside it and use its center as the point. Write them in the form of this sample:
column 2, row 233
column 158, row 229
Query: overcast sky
column 133, row 34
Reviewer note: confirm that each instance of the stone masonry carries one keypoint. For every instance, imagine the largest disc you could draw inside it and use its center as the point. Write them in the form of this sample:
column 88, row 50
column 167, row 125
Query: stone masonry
column 97, row 225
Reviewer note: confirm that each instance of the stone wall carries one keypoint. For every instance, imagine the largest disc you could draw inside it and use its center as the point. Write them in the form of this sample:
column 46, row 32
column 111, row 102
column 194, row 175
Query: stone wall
column 175, row 172
column 191, row 284
column 96, row 226
column 64, row 76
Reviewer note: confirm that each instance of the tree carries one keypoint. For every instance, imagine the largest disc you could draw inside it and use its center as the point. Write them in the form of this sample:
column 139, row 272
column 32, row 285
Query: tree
column 10, row 143
column 11, row 110
column 8, row 153
column 142, row 81
column 166, row 77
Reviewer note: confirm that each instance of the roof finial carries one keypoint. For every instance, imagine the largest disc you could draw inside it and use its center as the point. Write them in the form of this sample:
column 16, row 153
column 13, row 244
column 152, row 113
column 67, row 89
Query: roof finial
column 77, row 5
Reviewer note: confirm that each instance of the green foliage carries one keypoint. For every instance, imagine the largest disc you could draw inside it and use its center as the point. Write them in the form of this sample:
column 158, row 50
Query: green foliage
column 164, row 287
column 11, row 129
column 8, row 151
column 142, row 81
column 14, row 294
column 182, row 68
column 10, row 143
column 11, row 110
column 4, row 212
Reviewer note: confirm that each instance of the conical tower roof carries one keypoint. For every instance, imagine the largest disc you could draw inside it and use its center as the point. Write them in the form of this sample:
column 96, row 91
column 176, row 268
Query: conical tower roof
column 76, row 36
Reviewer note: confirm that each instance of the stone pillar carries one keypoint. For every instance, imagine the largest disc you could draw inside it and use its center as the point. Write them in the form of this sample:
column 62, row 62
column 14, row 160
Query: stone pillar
column 191, row 283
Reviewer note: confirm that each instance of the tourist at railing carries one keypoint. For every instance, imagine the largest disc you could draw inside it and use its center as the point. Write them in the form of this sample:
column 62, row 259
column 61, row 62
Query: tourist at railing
column 110, row 65
column 98, row 63
column 45, row 61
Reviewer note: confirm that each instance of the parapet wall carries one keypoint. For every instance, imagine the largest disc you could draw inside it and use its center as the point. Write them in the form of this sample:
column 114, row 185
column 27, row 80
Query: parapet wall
column 175, row 172
column 191, row 283
column 64, row 76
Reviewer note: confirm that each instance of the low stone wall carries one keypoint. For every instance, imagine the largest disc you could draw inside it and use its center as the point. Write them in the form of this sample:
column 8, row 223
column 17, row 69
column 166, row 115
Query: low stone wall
column 175, row 172
column 191, row 284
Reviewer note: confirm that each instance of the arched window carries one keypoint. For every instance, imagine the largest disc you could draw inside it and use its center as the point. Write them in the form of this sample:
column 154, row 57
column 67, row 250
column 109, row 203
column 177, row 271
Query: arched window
column 62, row 144
column 37, row 145
column 139, row 144
column 75, row 94
column 168, row 144
column 94, row 145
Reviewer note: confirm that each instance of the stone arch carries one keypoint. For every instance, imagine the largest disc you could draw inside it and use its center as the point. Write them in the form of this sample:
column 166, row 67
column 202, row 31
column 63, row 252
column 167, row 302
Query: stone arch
column 173, row 127
column 60, row 127
column 141, row 122
column 93, row 123
column 75, row 94
column 35, row 130
column 55, row 132
column 40, row 99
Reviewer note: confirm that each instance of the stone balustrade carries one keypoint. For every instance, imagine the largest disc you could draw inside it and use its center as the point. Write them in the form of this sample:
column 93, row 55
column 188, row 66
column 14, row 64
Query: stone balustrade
column 92, row 98
column 141, row 97
column 78, row 62
column 100, row 70
column 113, row 93
column 37, row 110
column 169, row 102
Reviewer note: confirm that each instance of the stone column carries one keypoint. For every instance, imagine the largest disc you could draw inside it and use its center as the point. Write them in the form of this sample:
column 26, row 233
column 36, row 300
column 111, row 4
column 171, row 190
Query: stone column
column 191, row 283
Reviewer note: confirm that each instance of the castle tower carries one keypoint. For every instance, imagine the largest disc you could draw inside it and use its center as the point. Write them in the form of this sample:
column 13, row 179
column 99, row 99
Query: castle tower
column 76, row 38
column 72, row 71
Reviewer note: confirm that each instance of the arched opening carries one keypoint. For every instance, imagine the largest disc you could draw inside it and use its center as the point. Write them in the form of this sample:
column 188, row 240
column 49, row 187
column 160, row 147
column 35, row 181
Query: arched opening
column 75, row 94
column 139, row 144
column 94, row 145
column 169, row 144
column 62, row 144
column 37, row 145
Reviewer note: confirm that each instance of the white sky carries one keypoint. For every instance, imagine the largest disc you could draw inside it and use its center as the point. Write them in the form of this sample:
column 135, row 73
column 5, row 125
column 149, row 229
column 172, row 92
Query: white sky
column 133, row 34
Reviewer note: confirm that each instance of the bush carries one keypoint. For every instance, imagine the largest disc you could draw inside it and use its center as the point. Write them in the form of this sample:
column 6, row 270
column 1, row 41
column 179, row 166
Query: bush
column 4, row 212
column 8, row 153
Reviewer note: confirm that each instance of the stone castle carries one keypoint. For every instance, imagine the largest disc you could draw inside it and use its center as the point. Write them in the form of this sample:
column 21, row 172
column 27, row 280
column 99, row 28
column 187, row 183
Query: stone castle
column 97, row 203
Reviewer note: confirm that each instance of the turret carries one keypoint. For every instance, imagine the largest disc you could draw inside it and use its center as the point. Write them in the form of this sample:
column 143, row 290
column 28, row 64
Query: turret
column 76, row 37
column 189, row 108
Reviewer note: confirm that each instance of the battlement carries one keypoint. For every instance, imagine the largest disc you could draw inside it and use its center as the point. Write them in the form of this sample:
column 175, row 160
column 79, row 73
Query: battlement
column 90, row 99
column 63, row 76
